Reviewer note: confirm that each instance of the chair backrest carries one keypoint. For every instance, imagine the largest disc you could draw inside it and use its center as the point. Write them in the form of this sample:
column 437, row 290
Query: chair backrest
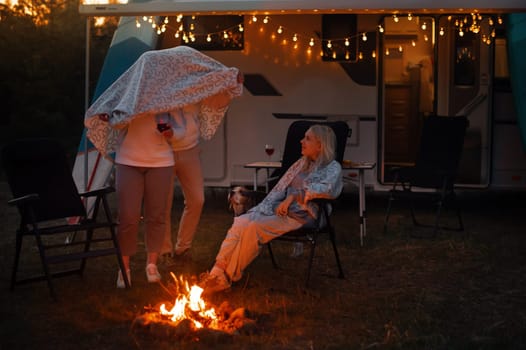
column 441, row 145
column 296, row 132
column 40, row 166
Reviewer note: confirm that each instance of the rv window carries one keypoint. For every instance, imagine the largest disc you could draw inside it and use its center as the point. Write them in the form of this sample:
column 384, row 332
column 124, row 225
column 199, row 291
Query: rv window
column 466, row 59
column 205, row 32
column 339, row 38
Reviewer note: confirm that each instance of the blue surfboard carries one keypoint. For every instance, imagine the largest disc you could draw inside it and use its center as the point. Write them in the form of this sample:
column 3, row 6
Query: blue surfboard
column 516, row 31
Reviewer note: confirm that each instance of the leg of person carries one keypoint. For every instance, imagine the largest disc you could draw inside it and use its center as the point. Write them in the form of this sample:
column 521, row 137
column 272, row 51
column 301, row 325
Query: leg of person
column 242, row 245
column 157, row 180
column 129, row 183
column 258, row 232
column 167, row 248
column 217, row 280
column 190, row 176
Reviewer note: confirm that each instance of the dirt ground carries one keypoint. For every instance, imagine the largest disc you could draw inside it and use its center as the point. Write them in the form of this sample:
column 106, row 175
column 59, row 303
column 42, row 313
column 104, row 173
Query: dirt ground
column 462, row 290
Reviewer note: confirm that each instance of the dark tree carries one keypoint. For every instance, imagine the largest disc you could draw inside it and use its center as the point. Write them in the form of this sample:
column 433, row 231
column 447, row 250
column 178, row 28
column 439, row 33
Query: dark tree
column 42, row 69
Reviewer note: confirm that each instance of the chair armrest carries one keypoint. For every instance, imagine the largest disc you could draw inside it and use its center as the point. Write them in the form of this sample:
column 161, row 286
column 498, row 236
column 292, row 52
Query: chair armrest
column 32, row 197
column 325, row 210
column 98, row 192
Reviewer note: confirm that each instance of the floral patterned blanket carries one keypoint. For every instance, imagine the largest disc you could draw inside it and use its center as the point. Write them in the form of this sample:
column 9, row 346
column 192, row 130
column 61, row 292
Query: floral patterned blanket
column 160, row 81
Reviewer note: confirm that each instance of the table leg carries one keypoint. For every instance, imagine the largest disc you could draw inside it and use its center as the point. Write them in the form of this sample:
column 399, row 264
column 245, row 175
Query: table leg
column 256, row 179
column 361, row 195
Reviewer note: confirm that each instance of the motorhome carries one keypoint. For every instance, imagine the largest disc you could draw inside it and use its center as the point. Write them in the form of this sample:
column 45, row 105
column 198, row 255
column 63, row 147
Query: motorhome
column 382, row 68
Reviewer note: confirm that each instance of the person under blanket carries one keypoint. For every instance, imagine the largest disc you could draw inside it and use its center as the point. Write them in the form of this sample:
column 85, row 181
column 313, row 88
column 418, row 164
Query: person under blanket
column 287, row 207
column 124, row 125
column 188, row 171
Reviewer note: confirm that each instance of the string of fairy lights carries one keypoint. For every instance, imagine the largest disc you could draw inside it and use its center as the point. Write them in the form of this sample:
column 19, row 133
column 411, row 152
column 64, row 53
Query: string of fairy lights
column 186, row 31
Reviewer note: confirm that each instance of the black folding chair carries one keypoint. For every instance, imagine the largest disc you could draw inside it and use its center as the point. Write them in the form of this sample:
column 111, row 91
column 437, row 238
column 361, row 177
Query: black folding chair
column 46, row 196
column 432, row 178
column 291, row 153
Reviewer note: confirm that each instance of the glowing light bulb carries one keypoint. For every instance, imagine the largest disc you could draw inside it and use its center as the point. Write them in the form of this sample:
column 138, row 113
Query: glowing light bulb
column 254, row 19
column 424, row 26
column 364, row 37
column 208, row 38
column 265, row 20
column 311, row 42
column 280, row 30
column 441, row 32
column 395, row 18
column 329, row 44
column 380, row 28
column 347, row 42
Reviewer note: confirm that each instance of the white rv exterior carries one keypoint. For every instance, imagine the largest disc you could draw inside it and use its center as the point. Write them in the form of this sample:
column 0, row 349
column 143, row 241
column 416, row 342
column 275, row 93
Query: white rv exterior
column 309, row 87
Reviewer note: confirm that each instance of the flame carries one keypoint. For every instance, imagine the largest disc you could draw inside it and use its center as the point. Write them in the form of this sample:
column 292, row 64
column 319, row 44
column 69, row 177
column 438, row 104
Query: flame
column 189, row 305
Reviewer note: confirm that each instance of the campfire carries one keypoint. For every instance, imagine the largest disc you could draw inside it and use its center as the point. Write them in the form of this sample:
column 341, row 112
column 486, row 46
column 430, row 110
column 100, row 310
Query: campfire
column 190, row 317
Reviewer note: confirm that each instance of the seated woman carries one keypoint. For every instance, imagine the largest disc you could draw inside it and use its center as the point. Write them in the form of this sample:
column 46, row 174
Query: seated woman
column 286, row 208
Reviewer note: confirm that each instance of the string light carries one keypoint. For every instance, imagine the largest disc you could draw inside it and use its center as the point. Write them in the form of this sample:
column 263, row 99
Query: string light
column 333, row 48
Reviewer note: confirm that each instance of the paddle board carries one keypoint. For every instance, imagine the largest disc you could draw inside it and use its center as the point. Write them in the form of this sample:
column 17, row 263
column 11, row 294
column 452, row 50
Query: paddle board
column 516, row 31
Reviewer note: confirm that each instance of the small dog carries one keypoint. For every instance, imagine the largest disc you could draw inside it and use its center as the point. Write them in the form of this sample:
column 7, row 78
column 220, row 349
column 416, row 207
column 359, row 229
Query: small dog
column 241, row 199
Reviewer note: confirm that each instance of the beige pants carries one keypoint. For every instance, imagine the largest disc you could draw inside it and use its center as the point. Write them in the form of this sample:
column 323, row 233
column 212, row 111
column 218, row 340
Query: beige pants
column 245, row 238
column 188, row 172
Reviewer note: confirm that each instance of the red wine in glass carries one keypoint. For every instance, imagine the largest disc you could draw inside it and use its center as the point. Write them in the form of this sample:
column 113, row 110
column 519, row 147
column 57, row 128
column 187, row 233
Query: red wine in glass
column 162, row 126
column 269, row 150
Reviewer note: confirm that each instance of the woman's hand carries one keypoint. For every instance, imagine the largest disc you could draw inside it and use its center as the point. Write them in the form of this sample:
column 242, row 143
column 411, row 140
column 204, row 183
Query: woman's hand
column 283, row 207
column 104, row 117
column 217, row 101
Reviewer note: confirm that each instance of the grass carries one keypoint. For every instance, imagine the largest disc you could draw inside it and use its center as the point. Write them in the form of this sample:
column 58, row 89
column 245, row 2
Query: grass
column 456, row 291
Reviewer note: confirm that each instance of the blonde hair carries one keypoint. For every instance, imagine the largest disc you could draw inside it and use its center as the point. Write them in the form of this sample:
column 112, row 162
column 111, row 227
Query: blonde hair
column 327, row 139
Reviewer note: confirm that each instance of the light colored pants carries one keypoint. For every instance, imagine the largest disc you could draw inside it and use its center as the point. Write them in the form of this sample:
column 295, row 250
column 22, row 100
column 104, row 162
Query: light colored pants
column 188, row 172
column 136, row 186
column 245, row 238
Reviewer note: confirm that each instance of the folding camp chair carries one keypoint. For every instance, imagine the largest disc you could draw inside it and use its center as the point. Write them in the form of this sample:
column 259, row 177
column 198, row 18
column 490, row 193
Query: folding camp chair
column 432, row 178
column 45, row 194
column 292, row 152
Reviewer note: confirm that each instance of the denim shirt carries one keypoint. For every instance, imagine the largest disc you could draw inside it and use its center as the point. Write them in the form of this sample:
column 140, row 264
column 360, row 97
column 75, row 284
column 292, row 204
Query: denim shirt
column 321, row 182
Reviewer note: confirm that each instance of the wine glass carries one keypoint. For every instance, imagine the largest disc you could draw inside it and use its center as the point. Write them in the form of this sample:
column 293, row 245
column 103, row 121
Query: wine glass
column 269, row 150
column 162, row 125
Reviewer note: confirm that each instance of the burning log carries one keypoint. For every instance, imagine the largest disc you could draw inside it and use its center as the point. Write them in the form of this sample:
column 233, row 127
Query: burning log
column 189, row 318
